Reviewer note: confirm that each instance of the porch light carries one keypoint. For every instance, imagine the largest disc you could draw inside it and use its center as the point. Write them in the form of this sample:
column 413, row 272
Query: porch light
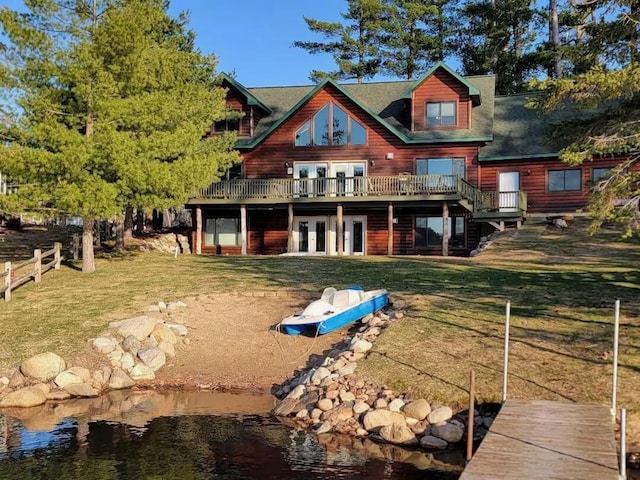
column 372, row 163
column 389, row 156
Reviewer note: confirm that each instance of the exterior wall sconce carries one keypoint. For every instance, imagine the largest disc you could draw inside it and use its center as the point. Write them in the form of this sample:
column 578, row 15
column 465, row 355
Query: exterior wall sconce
column 528, row 172
column 372, row 163
column 287, row 165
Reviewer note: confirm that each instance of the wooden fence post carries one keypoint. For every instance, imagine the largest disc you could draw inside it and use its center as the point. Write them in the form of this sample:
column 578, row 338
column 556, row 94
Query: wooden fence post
column 57, row 256
column 37, row 265
column 7, row 281
column 471, row 420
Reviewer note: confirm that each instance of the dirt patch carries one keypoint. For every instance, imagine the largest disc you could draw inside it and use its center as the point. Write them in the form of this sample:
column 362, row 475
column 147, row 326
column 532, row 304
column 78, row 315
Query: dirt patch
column 233, row 343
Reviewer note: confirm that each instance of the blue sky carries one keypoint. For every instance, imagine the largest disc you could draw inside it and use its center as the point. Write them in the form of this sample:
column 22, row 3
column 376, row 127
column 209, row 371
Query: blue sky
column 254, row 37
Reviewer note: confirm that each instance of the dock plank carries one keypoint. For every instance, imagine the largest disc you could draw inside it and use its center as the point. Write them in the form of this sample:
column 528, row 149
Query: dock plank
column 540, row 439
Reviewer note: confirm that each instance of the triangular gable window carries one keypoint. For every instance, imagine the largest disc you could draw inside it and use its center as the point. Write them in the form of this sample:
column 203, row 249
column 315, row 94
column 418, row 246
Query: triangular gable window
column 330, row 126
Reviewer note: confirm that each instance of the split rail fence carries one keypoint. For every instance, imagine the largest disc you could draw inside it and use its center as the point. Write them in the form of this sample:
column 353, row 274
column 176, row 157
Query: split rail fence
column 18, row 273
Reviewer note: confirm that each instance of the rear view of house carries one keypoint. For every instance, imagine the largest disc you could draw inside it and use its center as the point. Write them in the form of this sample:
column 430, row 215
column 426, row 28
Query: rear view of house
column 389, row 168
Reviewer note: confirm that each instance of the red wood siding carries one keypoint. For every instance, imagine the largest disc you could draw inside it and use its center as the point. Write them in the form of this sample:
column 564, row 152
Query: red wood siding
column 534, row 181
column 441, row 87
column 269, row 158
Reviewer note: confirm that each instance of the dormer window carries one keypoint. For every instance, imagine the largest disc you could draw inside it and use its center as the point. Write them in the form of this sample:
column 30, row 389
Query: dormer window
column 330, row 126
column 441, row 114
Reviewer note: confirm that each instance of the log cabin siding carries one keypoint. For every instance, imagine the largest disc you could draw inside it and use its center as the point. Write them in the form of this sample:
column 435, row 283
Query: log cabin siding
column 534, row 181
column 441, row 87
column 268, row 159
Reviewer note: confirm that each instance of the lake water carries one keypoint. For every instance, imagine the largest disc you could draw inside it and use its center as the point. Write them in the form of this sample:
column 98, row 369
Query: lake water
column 198, row 435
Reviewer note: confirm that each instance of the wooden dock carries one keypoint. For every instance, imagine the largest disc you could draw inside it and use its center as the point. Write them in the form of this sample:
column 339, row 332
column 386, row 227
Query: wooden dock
column 538, row 439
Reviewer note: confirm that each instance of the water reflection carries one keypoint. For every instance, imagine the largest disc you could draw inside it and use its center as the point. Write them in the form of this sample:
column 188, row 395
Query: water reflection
column 200, row 435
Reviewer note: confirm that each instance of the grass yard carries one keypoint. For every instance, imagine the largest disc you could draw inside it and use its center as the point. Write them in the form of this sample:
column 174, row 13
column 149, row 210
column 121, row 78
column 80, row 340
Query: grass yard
column 562, row 286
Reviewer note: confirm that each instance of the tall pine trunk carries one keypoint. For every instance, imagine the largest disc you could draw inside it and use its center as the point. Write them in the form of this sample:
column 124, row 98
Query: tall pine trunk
column 88, row 261
column 128, row 224
column 140, row 221
column 120, row 245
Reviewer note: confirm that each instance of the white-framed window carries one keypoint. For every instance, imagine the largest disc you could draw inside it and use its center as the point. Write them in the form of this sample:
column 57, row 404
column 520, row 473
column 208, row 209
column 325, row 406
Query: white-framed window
column 330, row 125
column 223, row 231
column 441, row 114
column 567, row 180
column 440, row 166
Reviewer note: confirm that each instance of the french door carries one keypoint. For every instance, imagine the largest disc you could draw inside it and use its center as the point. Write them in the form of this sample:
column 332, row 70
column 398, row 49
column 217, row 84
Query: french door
column 349, row 178
column 318, row 235
column 310, row 179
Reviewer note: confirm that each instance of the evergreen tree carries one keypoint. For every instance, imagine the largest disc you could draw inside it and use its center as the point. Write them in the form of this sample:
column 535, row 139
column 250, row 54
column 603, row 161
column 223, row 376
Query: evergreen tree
column 417, row 34
column 111, row 103
column 355, row 46
column 498, row 36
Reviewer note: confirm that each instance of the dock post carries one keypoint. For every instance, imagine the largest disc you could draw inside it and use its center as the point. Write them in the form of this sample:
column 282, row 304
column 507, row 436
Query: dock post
column 506, row 352
column 623, row 444
column 470, row 424
column 616, row 334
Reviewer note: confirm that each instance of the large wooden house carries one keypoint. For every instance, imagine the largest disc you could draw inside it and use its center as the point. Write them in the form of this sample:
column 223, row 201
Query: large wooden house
column 387, row 168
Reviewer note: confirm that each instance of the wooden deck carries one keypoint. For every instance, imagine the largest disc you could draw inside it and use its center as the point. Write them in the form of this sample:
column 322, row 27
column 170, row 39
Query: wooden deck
column 538, row 439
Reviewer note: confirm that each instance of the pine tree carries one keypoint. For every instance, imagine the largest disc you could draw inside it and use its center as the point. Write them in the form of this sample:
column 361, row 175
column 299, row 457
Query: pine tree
column 498, row 37
column 111, row 102
column 355, row 46
column 417, row 34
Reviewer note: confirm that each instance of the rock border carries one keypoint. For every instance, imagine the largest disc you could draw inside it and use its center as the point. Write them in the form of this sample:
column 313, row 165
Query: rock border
column 134, row 349
column 330, row 398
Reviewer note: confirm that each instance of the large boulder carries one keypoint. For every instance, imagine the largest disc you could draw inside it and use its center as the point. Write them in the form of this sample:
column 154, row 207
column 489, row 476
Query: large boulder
column 178, row 329
column 119, row 380
column 451, row 432
column 340, row 413
column 43, row 367
column 440, row 414
column 67, row 378
column 375, row 419
column 433, row 443
column 104, row 344
column 398, row 434
column 141, row 372
column 140, row 327
column 153, row 357
column 132, row 345
column 25, row 397
column 81, row 390
column 418, row 409
column 162, row 333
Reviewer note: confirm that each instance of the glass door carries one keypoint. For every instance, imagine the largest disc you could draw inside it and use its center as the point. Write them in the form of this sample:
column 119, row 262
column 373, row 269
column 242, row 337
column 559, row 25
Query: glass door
column 349, row 178
column 310, row 179
column 353, row 235
column 508, row 186
column 310, row 235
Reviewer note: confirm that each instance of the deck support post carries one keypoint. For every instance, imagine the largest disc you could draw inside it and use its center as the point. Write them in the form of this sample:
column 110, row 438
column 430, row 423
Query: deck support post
column 198, row 245
column 505, row 367
column 290, row 229
column 339, row 230
column 390, row 229
column 445, row 229
column 616, row 336
column 243, row 229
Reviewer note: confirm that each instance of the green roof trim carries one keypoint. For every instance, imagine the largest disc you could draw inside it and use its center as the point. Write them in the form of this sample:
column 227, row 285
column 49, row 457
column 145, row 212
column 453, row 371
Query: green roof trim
column 251, row 99
column 473, row 91
column 518, row 157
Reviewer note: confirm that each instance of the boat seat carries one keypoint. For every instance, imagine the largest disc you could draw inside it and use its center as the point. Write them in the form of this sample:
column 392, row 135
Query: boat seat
column 346, row 298
column 327, row 294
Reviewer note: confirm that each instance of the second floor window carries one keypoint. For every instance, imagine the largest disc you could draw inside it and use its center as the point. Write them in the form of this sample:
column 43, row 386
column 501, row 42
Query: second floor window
column 226, row 125
column 330, row 126
column 441, row 114
column 569, row 180
column 440, row 166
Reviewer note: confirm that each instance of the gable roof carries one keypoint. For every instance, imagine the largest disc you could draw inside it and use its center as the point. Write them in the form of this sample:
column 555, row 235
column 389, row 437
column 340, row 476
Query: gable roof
column 251, row 99
column 474, row 92
column 383, row 101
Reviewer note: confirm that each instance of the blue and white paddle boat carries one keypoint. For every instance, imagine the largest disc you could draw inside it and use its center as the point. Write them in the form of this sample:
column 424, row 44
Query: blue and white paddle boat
column 335, row 309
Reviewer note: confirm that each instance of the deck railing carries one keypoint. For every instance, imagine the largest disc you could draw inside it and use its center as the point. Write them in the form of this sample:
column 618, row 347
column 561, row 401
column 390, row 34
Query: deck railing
column 396, row 185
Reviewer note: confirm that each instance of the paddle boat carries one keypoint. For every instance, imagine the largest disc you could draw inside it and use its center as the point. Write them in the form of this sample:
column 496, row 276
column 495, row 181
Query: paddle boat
column 335, row 309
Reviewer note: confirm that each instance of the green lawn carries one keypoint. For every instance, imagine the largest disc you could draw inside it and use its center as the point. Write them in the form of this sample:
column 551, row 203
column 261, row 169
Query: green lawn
column 562, row 286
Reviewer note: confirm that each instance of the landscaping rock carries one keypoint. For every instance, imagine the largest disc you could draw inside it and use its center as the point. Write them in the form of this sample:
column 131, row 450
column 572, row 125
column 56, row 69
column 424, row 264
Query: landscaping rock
column 178, row 329
column 440, row 415
column 119, row 380
column 162, row 333
column 360, row 407
column 24, row 398
column 325, row 404
column 398, row 434
column 67, row 378
column 451, row 432
column 297, row 392
column 285, row 407
column 81, row 390
column 139, row 327
column 323, row 427
column 319, row 375
column 43, row 367
column 153, row 357
column 418, row 409
column 431, row 442
column 104, row 345
column 396, row 405
column 132, row 345
column 141, row 372
column 340, row 413
column 168, row 349
column 381, row 418
column 58, row 395
column 127, row 362
column 362, row 346
column 347, row 396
